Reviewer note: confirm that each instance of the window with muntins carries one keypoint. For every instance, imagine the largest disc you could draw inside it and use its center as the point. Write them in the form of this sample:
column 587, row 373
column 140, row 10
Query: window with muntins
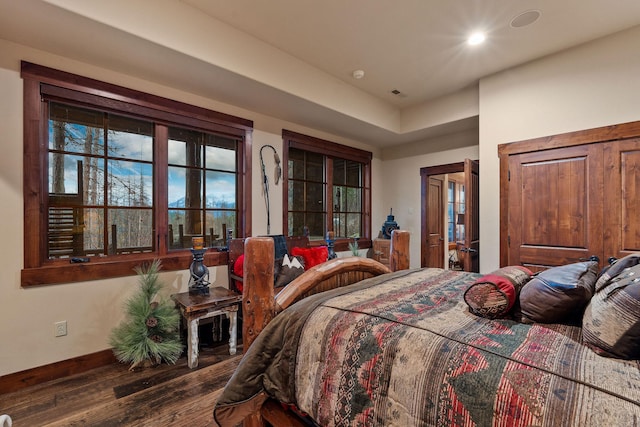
column 455, row 210
column 202, row 187
column 115, row 178
column 328, row 189
column 100, row 179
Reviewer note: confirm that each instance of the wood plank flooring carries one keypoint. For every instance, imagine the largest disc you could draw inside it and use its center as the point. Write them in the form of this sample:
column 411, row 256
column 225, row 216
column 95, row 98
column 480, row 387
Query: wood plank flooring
column 166, row 395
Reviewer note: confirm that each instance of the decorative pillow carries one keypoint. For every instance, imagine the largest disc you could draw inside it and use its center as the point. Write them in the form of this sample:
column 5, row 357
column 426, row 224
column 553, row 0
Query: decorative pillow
column 312, row 256
column 611, row 322
column 290, row 268
column 559, row 294
column 615, row 269
column 238, row 270
column 495, row 294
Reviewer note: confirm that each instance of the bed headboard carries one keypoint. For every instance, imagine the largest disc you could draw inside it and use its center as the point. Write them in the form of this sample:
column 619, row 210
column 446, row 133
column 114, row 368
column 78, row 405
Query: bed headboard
column 236, row 248
column 259, row 302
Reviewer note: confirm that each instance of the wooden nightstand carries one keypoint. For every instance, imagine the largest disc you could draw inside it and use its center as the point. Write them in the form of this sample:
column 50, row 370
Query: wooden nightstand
column 220, row 302
column 381, row 250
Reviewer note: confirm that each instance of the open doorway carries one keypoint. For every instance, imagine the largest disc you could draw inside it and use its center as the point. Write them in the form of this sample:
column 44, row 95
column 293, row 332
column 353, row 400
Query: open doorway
column 450, row 222
column 455, row 213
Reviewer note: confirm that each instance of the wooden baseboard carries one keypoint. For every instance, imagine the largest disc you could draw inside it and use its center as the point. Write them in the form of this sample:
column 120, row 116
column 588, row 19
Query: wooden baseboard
column 19, row 380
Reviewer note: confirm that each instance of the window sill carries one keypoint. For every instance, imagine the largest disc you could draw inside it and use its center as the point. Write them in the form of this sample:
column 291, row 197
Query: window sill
column 59, row 273
column 342, row 244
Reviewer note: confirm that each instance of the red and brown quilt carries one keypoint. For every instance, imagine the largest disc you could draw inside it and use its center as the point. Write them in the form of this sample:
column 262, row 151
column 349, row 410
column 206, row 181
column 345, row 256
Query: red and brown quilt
column 403, row 350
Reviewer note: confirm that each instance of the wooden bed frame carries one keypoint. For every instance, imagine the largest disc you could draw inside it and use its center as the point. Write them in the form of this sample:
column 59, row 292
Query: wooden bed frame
column 260, row 304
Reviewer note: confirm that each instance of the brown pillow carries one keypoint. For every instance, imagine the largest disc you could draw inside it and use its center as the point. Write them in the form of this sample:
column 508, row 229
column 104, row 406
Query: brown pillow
column 611, row 322
column 615, row 269
column 559, row 294
column 291, row 268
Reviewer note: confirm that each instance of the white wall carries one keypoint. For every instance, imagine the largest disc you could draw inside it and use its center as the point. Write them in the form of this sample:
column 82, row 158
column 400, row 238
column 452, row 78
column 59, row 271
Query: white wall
column 402, row 184
column 589, row 86
column 93, row 308
column 594, row 85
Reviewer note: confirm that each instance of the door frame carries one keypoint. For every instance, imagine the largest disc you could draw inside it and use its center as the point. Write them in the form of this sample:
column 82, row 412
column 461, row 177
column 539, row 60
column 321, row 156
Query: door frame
column 425, row 173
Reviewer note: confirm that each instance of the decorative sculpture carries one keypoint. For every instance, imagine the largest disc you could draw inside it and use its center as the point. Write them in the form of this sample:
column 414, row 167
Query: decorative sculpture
column 330, row 240
column 199, row 278
column 389, row 225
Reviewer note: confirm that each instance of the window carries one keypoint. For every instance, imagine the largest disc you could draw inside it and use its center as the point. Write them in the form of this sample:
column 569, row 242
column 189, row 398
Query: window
column 114, row 178
column 455, row 210
column 100, row 177
column 328, row 189
column 202, row 187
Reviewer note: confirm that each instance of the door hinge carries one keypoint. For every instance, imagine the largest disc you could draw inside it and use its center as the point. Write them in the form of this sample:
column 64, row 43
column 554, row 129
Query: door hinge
column 508, row 240
column 509, row 175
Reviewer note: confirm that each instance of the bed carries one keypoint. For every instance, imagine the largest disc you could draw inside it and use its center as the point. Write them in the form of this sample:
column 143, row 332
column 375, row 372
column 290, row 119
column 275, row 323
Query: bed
column 403, row 349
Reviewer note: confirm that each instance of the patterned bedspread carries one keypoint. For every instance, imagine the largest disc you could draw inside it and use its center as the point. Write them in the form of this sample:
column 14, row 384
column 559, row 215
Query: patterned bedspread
column 403, row 350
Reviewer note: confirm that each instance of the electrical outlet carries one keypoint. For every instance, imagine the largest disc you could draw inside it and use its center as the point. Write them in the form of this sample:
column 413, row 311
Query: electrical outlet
column 60, row 328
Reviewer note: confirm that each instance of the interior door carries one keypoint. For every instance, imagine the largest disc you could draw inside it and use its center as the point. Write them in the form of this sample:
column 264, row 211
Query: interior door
column 566, row 197
column 471, row 259
column 555, row 206
column 472, row 222
column 435, row 222
column 621, row 198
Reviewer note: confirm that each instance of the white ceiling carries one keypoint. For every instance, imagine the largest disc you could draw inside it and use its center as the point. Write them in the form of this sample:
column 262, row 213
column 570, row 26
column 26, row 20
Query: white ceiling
column 419, row 46
column 293, row 59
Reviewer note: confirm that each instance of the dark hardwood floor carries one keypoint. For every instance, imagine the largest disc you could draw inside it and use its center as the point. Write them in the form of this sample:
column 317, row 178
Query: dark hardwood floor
column 165, row 395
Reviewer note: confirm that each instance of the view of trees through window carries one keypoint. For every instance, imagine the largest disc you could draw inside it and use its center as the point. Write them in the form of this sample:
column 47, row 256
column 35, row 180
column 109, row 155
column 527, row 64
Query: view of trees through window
column 306, row 198
column 347, row 196
column 100, row 183
column 309, row 174
column 102, row 186
column 202, row 187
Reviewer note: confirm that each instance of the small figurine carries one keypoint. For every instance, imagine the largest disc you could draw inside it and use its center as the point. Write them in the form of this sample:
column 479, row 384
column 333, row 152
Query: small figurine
column 389, row 225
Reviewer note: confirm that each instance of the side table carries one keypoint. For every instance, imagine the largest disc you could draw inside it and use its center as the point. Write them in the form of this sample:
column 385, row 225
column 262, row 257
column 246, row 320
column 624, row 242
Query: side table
column 220, row 301
column 381, row 250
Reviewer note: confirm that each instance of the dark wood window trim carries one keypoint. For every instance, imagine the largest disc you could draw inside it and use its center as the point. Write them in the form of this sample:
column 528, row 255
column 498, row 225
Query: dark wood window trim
column 39, row 81
column 330, row 149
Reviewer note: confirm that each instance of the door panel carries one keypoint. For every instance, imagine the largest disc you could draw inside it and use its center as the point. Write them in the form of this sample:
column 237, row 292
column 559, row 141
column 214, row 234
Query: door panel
column 435, row 224
column 555, row 213
column 472, row 218
column 621, row 198
column 428, row 230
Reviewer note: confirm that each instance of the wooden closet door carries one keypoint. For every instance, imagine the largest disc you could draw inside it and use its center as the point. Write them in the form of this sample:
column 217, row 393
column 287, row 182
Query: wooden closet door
column 621, row 198
column 555, row 206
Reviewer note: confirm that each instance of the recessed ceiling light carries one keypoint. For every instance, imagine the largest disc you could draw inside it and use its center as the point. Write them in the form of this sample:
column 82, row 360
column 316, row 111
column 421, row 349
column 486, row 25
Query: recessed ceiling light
column 525, row 18
column 476, row 38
